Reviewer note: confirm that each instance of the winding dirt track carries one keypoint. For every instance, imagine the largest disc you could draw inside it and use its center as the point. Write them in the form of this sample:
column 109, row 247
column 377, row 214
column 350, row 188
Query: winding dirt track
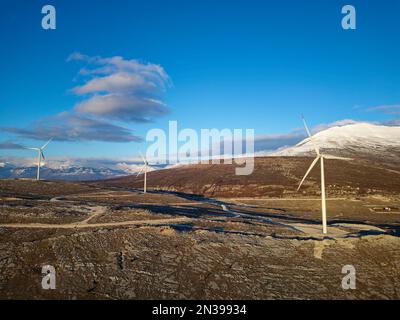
column 80, row 225
column 96, row 211
column 314, row 230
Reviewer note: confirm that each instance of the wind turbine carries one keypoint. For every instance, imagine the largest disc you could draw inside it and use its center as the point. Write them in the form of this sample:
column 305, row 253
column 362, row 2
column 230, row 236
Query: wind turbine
column 40, row 156
column 320, row 157
column 144, row 170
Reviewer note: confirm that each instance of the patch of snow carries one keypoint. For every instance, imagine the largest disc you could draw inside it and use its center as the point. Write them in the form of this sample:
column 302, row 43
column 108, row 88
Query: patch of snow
column 132, row 168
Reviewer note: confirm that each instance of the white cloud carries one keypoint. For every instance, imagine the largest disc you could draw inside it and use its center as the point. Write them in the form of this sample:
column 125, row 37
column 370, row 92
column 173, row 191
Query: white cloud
column 120, row 89
column 122, row 107
column 113, row 91
column 117, row 82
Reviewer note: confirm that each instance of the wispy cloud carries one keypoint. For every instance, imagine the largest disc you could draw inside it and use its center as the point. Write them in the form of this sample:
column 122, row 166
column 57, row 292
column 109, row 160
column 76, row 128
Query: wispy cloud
column 10, row 145
column 72, row 127
column 113, row 91
column 391, row 122
column 388, row 109
column 277, row 141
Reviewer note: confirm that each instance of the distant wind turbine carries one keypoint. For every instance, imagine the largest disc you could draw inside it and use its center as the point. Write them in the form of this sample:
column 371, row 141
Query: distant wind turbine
column 40, row 156
column 321, row 157
column 144, row 170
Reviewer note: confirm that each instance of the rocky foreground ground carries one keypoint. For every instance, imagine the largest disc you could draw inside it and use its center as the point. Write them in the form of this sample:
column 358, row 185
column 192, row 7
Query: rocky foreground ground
column 108, row 243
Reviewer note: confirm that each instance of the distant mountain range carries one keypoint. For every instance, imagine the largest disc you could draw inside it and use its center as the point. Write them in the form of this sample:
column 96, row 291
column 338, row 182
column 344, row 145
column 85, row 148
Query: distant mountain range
column 374, row 144
column 81, row 170
column 70, row 173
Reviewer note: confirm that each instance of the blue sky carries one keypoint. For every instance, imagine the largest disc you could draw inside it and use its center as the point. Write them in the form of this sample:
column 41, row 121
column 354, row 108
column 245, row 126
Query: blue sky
column 228, row 64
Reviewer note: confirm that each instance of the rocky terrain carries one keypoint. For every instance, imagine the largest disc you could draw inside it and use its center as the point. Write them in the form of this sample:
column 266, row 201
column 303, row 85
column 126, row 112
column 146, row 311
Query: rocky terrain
column 114, row 242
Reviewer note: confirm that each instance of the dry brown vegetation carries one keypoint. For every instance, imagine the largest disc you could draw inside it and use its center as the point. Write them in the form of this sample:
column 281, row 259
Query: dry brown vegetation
column 272, row 177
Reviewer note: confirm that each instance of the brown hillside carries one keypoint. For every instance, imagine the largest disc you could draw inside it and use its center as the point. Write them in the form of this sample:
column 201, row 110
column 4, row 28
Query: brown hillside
column 272, row 176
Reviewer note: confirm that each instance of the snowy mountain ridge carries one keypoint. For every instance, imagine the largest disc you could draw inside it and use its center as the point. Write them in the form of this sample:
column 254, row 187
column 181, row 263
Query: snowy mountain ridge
column 351, row 138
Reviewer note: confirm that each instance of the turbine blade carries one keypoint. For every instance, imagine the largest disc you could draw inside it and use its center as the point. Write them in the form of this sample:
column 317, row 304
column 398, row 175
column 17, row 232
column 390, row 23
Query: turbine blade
column 143, row 158
column 41, row 152
column 303, row 142
column 310, row 136
column 306, row 126
column 310, row 139
column 308, row 171
column 45, row 145
column 36, row 149
column 140, row 172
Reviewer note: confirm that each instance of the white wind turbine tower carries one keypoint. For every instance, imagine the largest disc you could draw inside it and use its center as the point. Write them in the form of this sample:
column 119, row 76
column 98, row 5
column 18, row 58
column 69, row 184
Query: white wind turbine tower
column 40, row 156
column 144, row 170
column 321, row 157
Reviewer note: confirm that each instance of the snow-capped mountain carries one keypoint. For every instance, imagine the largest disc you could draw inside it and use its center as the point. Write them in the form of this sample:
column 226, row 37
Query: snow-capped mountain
column 361, row 140
column 77, row 170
